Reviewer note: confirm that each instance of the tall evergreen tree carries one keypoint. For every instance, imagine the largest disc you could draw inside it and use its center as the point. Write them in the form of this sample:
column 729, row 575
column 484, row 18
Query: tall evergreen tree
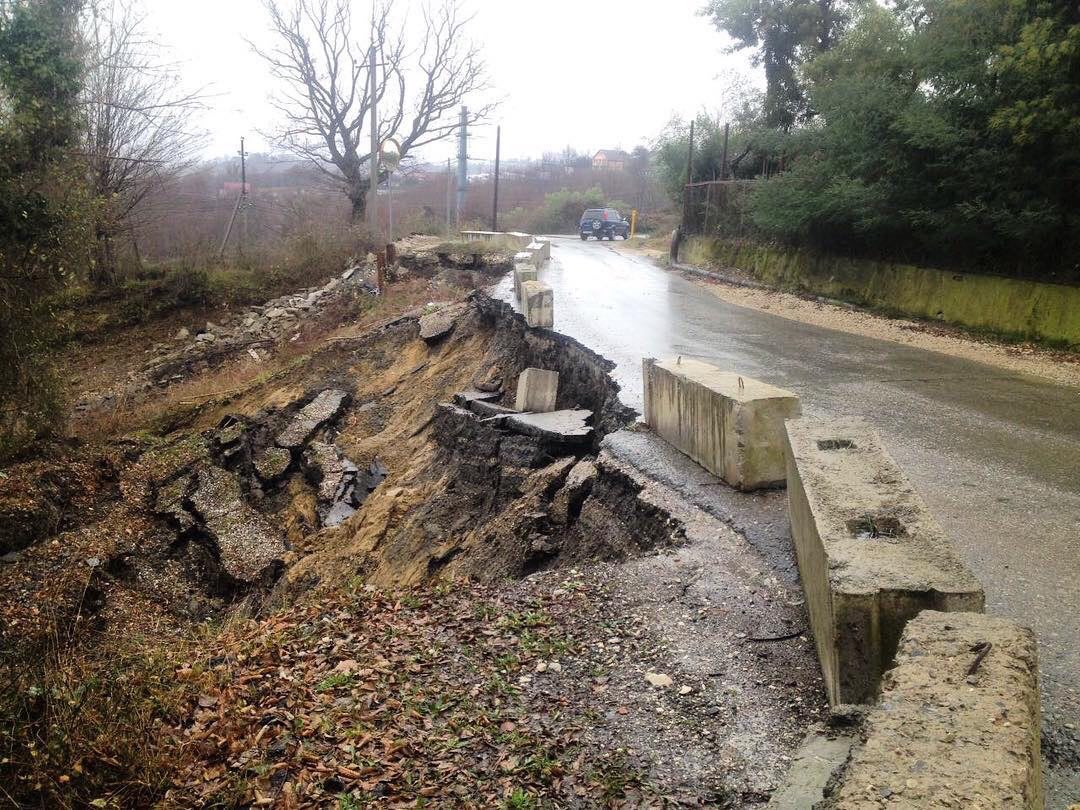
column 40, row 74
column 784, row 34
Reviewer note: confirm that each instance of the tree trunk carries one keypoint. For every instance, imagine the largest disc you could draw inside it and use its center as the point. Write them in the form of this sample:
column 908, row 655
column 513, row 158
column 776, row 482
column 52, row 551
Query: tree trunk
column 357, row 191
column 104, row 272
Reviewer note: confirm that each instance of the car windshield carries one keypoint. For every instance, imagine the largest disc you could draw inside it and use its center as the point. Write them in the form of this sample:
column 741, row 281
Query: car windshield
column 592, row 213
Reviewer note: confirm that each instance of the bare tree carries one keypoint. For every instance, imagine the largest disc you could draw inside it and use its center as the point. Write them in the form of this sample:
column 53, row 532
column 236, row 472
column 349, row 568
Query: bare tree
column 137, row 137
column 326, row 97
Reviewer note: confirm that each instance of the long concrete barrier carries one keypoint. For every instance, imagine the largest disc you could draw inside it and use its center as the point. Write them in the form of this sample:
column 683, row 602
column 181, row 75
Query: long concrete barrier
column 732, row 426
column 521, row 239
column 958, row 721
column 870, row 554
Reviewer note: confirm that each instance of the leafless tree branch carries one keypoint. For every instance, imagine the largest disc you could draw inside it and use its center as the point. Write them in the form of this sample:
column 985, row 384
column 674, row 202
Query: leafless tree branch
column 325, row 94
column 137, row 135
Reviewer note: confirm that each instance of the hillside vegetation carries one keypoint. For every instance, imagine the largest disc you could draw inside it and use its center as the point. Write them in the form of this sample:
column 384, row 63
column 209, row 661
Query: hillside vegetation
column 944, row 132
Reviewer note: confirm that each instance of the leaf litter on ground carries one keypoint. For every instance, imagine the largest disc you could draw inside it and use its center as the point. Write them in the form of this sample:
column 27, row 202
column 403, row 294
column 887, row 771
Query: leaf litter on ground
column 422, row 698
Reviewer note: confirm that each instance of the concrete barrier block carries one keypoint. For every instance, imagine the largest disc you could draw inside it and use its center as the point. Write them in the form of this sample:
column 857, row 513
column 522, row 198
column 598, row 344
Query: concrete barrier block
column 479, row 236
column 546, row 243
column 522, row 273
column 870, row 554
column 521, row 238
column 958, row 722
column 538, row 304
column 536, row 252
column 732, row 426
column 541, row 250
column 537, row 390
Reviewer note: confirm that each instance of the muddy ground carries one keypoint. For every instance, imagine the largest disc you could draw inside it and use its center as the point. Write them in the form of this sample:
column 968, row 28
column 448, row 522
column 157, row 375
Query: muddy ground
column 360, row 578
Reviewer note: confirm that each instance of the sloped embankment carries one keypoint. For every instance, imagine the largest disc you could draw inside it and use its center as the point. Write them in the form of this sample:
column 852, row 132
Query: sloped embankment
column 270, row 483
column 382, row 460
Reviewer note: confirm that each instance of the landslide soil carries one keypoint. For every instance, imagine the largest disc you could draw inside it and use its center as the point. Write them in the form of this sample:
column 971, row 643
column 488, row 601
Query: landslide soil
column 394, row 659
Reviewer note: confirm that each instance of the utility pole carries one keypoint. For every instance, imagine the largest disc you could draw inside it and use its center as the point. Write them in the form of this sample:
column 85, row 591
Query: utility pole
column 241, row 201
column 463, row 163
column 689, row 176
column 243, row 198
column 723, row 159
column 495, row 200
column 449, row 195
column 373, row 187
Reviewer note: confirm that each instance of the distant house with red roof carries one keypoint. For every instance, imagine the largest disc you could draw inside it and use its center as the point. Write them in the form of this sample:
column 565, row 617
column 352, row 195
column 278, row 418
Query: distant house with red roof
column 610, row 159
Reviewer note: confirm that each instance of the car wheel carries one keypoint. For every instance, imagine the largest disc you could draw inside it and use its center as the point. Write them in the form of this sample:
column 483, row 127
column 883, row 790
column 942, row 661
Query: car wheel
column 584, row 237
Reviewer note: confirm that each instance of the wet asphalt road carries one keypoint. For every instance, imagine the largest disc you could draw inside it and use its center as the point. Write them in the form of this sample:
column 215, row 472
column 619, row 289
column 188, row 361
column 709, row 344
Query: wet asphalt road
column 995, row 454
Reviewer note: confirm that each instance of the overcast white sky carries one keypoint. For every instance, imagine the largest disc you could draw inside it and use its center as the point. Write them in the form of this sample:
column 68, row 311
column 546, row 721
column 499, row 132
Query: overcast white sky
column 651, row 59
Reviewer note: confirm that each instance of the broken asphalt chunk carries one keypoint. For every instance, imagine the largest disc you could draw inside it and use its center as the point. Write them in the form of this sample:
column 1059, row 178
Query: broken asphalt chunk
column 567, row 427
column 438, row 324
column 273, row 463
column 248, row 543
column 324, row 408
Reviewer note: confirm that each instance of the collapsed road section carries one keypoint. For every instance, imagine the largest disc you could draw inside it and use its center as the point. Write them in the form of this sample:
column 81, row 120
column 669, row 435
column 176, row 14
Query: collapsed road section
column 397, row 457
column 456, row 443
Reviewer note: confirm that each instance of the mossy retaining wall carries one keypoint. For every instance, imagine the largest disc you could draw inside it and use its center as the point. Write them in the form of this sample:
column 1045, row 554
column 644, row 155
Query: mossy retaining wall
column 1007, row 306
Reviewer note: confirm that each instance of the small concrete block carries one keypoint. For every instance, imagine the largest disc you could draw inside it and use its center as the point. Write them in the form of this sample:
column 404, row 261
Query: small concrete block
column 732, row 426
column 538, row 303
column 944, row 736
column 546, row 244
column 522, row 273
column 537, row 390
column 870, row 554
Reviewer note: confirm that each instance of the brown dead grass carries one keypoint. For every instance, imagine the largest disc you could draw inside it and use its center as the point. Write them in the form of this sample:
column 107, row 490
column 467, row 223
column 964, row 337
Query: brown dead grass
column 200, row 398
column 419, row 378
column 80, row 723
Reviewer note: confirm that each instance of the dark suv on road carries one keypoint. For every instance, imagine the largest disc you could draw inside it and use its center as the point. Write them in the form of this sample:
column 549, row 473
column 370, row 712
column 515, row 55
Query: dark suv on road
column 603, row 222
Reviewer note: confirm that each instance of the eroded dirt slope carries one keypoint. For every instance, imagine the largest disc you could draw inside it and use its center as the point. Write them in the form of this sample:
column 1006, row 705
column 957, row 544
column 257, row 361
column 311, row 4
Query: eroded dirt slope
column 362, row 516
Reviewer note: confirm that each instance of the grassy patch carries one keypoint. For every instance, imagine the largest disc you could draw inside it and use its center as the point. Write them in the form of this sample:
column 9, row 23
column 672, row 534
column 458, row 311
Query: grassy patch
column 150, row 291
column 83, row 727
